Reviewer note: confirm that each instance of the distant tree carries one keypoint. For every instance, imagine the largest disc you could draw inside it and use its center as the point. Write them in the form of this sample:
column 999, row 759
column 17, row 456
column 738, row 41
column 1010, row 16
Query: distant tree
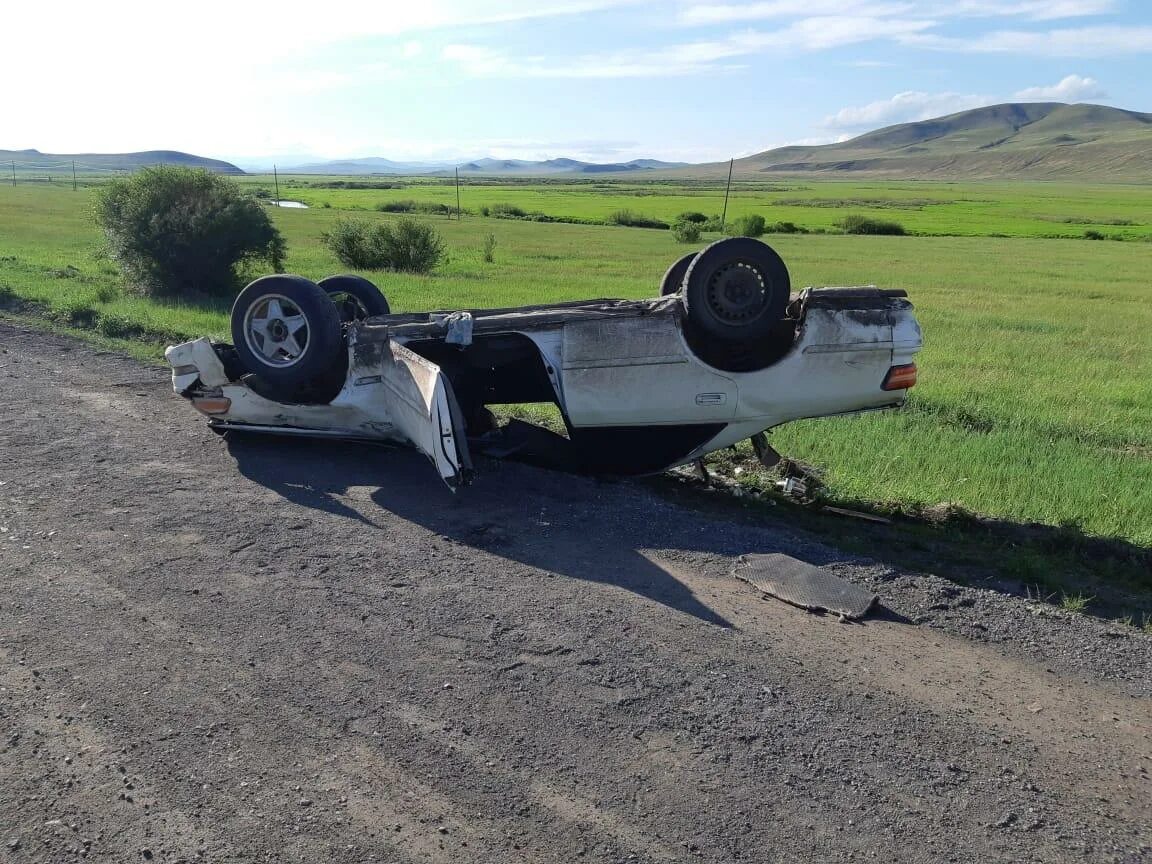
column 185, row 231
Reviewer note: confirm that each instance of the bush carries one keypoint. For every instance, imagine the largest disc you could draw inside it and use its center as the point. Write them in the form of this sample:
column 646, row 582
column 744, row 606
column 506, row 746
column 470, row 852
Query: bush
column 1092, row 234
column 686, row 232
column 408, row 205
column 752, row 225
column 856, row 224
column 408, row 245
column 185, row 231
column 505, row 211
column 786, row 228
column 692, row 216
column 489, row 249
column 634, row 220
column 713, row 223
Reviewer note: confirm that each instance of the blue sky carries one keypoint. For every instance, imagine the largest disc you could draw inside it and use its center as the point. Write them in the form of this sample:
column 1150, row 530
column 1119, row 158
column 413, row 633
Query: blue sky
column 605, row 80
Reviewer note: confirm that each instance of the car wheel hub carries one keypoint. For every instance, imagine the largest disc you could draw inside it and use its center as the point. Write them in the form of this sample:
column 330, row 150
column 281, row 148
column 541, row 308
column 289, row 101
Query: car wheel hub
column 276, row 331
column 736, row 293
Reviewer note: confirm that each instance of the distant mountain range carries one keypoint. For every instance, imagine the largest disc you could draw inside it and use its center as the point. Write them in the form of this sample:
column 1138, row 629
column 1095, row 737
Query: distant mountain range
column 487, row 167
column 35, row 161
column 1038, row 140
column 1016, row 140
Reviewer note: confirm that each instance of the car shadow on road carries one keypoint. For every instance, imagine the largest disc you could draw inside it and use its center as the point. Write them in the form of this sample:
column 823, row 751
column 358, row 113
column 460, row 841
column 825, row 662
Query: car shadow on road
column 306, row 472
column 576, row 527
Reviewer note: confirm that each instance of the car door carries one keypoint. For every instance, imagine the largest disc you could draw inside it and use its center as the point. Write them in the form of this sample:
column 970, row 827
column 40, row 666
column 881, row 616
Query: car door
column 637, row 371
column 420, row 402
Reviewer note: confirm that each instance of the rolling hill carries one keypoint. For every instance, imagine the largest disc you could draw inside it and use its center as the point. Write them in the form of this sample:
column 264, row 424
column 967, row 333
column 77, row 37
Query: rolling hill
column 33, row 161
column 1041, row 140
column 487, row 167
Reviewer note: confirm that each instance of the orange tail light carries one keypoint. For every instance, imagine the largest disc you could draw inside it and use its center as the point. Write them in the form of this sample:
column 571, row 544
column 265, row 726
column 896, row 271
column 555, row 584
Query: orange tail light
column 211, row 404
column 900, row 377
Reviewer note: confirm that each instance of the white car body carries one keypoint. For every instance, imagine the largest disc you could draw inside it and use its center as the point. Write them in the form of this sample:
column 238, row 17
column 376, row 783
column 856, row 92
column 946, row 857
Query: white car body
column 622, row 373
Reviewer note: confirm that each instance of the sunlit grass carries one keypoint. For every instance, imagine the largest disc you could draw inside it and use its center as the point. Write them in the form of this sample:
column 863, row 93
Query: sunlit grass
column 1036, row 381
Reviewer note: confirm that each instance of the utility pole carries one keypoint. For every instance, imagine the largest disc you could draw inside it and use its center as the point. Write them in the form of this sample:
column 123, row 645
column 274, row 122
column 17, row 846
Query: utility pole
column 13, row 173
column 458, row 217
column 724, row 215
column 276, row 179
column 73, row 175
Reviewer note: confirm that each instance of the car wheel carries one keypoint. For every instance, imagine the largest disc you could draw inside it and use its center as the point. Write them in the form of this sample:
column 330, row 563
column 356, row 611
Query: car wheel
column 287, row 331
column 673, row 279
column 736, row 291
column 355, row 297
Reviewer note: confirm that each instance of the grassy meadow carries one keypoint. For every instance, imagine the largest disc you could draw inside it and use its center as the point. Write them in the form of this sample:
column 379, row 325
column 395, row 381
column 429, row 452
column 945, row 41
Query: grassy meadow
column 1036, row 377
column 1118, row 212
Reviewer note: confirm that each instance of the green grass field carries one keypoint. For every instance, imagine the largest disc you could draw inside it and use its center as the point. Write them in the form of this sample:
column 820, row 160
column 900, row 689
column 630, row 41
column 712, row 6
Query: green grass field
column 926, row 208
column 1036, row 377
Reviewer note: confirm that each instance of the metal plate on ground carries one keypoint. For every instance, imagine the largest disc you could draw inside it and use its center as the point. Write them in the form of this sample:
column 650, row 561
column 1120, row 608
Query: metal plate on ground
column 804, row 585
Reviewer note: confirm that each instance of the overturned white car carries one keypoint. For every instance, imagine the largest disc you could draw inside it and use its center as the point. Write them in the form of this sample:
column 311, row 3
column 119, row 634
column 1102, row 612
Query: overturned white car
column 726, row 353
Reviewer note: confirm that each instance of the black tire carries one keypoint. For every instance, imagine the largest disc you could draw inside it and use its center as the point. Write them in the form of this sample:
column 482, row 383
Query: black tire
column 673, row 279
column 355, row 297
column 297, row 351
column 736, row 292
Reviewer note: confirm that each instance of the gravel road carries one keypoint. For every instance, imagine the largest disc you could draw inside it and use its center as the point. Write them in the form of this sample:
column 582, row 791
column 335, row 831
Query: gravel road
column 266, row 650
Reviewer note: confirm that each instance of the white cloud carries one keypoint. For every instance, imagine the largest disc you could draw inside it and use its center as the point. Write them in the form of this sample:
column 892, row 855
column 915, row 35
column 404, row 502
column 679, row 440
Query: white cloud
column 904, row 107
column 1106, row 41
column 1037, row 10
column 731, row 13
column 688, row 58
column 1071, row 88
column 479, row 61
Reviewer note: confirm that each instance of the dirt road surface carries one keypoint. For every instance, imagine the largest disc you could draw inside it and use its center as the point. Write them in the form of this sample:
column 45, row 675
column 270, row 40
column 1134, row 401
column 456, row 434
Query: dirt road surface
column 265, row 650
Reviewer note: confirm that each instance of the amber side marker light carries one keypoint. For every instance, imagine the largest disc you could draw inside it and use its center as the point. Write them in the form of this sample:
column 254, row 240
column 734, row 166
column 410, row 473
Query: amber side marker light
column 211, row 404
column 900, row 377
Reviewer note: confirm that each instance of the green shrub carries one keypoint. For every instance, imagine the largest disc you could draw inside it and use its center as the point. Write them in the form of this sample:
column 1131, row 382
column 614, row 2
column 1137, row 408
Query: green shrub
column 786, row 228
column 634, row 220
column 185, row 231
column 857, row 224
column 489, row 249
column 751, row 225
column 692, row 216
column 409, row 205
column 505, row 211
column 351, row 184
column 407, row 245
column 414, row 247
column 1092, row 234
column 713, row 223
column 356, row 243
column 512, row 211
column 686, row 232
column 106, row 293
